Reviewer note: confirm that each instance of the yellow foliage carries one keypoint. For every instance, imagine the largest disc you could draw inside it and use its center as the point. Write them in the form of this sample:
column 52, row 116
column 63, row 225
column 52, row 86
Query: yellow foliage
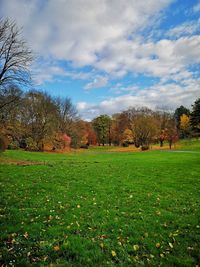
column 127, row 135
column 84, row 139
column 184, row 122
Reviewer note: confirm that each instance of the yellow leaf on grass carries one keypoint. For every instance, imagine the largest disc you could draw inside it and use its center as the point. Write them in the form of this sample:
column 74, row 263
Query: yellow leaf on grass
column 78, row 206
column 26, row 235
column 135, row 247
column 170, row 244
column 158, row 245
column 56, row 248
column 113, row 253
column 44, row 258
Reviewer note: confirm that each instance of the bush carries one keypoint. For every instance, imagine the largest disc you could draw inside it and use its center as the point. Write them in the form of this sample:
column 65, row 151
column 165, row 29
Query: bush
column 22, row 144
column 31, row 144
column 144, row 147
column 84, row 146
column 125, row 144
column 137, row 145
column 14, row 145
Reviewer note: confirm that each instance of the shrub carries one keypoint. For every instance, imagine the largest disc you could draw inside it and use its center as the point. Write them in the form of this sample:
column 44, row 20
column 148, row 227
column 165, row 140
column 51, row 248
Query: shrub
column 14, row 145
column 84, row 146
column 137, row 145
column 31, row 144
column 144, row 147
column 22, row 144
column 125, row 144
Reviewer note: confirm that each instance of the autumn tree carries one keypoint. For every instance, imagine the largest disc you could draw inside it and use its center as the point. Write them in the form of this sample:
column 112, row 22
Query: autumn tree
column 120, row 122
column 88, row 134
column 40, row 116
column 177, row 116
column 171, row 131
column 127, row 137
column 166, row 123
column 144, row 127
column 115, row 130
column 102, row 126
column 185, row 126
column 92, row 138
column 10, row 105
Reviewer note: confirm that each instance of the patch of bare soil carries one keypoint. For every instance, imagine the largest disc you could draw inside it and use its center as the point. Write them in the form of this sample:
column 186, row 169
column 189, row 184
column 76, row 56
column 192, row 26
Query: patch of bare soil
column 20, row 162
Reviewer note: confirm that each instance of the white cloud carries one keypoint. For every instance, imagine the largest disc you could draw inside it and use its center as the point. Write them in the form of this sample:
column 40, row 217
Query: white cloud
column 79, row 30
column 49, row 71
column 196, row 8
column 162, row 58
column 107, row 36
column 186, row 28
column 46, row 73
column 98, row 82
column 97, row 33
column 164, row 95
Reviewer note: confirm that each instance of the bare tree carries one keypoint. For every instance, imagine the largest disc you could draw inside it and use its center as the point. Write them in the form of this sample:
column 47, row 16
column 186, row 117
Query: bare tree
column 15, row 56
column 67, row 112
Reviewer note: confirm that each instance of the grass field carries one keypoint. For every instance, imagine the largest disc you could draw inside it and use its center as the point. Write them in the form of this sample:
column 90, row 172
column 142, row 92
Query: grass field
column 100, row 208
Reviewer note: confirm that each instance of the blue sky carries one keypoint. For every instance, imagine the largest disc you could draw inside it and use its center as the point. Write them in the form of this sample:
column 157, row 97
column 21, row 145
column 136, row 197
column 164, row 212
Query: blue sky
column 110, row 55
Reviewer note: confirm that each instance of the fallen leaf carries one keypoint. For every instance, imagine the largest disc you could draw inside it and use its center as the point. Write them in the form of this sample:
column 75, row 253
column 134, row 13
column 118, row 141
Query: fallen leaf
column 135, row 247
column 158, row 245
column 113, row 253
column 26, row 235
column 56, row 248
column 44, row 258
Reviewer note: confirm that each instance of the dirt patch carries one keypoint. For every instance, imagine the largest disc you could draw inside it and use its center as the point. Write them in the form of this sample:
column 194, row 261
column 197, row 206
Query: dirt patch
column 21, row 162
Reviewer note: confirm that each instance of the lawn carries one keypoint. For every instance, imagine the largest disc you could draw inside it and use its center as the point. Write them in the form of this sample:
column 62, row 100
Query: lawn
column 100, row 208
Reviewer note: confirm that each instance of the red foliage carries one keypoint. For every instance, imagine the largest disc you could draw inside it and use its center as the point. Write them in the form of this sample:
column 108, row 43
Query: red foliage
column 66, row 139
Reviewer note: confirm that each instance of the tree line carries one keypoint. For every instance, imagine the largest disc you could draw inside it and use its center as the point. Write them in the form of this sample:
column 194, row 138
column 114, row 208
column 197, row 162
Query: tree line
column 143, row 126
column 34, row 120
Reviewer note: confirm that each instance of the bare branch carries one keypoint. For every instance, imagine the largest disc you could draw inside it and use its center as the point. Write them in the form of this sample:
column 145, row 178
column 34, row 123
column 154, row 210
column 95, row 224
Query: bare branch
column 15, row 56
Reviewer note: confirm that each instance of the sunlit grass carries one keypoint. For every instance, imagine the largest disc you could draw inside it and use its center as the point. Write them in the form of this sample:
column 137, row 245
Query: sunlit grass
column 106, row 209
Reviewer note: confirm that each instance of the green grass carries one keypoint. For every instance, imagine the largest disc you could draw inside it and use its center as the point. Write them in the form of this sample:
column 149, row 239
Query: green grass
column 190, row 144
column 100, row 209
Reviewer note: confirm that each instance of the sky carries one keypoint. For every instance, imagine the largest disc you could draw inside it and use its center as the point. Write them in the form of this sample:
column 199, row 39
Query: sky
column 109, row 55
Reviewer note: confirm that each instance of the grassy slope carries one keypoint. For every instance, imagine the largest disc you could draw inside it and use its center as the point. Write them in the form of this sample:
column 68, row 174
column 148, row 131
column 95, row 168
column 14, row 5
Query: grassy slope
column 79, row 209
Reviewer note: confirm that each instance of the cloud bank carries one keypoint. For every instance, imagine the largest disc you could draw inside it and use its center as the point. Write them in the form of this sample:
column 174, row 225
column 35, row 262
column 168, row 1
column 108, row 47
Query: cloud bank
column 115, row 39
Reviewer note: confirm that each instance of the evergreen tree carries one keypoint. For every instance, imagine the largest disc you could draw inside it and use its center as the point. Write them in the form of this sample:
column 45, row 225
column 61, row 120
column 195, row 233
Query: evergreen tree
column 195, row 117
